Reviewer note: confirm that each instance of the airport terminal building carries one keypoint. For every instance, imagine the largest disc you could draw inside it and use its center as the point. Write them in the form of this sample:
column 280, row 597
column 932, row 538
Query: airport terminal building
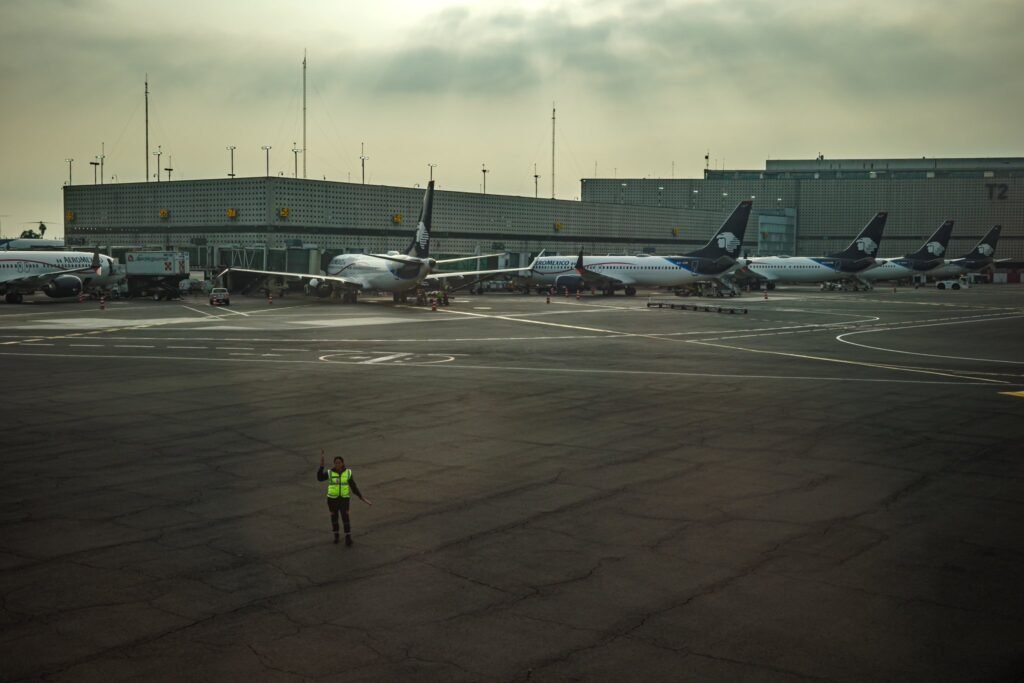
column 801, row 207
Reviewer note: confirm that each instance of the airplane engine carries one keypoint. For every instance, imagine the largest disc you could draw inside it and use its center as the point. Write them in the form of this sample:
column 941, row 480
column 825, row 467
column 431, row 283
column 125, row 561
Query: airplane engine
column 573, row 283
column 63, row 285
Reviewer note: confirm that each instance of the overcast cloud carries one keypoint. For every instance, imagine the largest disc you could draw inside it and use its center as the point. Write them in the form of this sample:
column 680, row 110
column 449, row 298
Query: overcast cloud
column 638, row 85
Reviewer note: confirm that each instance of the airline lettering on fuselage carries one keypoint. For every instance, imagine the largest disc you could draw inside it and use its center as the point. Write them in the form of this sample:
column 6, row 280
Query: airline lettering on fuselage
column 867, row 245
column 935, row 248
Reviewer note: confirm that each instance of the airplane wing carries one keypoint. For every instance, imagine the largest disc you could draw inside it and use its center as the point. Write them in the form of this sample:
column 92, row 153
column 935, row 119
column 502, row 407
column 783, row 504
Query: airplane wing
column 344, row 281
column 591, row 278
column 478, row 273
column 37, row 280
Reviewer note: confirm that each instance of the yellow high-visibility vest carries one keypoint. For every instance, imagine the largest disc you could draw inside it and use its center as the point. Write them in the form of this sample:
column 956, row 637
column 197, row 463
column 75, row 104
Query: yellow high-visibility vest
column 337, row 486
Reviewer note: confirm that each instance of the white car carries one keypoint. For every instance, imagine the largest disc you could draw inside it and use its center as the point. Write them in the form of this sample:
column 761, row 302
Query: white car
column 952, row 284
column 220, row 295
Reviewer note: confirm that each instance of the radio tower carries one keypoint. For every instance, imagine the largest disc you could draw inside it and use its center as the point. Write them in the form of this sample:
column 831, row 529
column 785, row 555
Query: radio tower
column 552, row 150
column 303, row 113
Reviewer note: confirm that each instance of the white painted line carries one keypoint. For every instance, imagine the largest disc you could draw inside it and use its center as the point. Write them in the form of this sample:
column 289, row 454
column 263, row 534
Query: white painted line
column 384, row 359
column 235, row 348
column 206, row 313
column 514, row 369
column 972, row 320
column 186, row 347
column 38, row 344
column 91, row 345
column 230, row 310
column 133, row 346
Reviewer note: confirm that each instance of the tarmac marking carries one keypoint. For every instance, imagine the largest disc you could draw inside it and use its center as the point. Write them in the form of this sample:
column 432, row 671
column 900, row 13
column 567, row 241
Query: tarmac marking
column 954, row 321
column 133, row 346
column 186, row 347
column 206, row 313
column 89, row 345
column 879, row 366
column 384, row 359
column 235, row 348
column 516, row 369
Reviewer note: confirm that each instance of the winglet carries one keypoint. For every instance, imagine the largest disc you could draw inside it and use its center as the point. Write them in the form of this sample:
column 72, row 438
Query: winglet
column 580, row 268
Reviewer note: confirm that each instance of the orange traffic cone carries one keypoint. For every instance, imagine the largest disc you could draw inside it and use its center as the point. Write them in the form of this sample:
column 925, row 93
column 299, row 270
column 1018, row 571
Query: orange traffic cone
column 433, row 304
column 103, row 303
column 270, row 298
column 549, row 299
column 577, row 295
column 766, row 294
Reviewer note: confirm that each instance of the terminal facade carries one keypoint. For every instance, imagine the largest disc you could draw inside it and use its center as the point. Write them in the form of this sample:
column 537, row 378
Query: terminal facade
column 801, row 207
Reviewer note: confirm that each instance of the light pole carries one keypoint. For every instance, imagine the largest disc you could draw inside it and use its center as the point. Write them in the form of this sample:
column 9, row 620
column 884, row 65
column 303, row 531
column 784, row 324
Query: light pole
column 483, row 170
column 296, row 151
column 70, row 161
column 231, row 149
column 95, row 166
column 432, row 167
column 537, row 177
column 363, row 159
column 169, row 169
column 159, row 151
column 267, row 148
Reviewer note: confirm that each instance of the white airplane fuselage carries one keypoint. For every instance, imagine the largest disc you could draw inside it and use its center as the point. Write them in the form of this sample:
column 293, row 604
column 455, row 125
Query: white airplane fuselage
column 799, row 269
column 28, row 271
column 644, row 271
column 893, row 269
column 379, row 273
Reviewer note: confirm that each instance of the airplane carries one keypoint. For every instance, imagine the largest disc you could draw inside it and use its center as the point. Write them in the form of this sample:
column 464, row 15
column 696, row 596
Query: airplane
column 844, row 265
column 56, row 273
column 979, row 257
column 920, row 262
column 348, row 274
column 714, row 260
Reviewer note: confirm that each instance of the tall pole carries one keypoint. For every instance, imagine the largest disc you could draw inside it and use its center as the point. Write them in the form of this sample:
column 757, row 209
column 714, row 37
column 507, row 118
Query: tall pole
column 95, row 165
column 362, row 159
column 535, row 179
column 71, row 161
column 552, row 150
column 432, row 166
column 170, row 165
column 303, row 116
column 484, row 171
column 295, row 151
column 231, row 149
column 103, row 156
column 267, row 148
column 157, row 154
column 147, row 128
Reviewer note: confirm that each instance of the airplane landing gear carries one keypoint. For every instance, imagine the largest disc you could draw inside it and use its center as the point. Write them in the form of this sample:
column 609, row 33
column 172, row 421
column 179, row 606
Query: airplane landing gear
column 630, row 291
column 13, row 297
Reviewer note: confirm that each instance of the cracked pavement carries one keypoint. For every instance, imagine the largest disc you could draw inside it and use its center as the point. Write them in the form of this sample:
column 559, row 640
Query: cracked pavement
column 626, row 506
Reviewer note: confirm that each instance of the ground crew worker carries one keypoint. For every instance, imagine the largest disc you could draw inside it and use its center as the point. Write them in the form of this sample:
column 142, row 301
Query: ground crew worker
column 340, row 486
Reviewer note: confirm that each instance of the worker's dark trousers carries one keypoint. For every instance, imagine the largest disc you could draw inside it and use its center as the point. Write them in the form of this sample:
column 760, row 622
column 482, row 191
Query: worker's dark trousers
column 336, row 505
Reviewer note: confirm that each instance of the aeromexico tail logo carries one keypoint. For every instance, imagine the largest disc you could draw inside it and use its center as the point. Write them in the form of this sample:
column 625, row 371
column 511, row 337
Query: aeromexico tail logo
column 422, row 236
column 934, row 248
column 867, row 245
column 728, row 241
column 986, row 249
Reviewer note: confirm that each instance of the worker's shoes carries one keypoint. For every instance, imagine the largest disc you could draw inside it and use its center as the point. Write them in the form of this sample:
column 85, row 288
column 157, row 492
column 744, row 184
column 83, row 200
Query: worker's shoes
column 335, row 538
column 348, row 540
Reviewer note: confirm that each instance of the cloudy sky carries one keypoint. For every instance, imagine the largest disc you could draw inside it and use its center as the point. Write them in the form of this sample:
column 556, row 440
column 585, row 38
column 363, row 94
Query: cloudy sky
column 638, row 85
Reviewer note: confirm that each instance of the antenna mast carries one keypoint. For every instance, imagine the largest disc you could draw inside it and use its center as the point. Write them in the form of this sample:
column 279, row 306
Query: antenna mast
column 303, row 113
column 552, row 150
column 147, row 128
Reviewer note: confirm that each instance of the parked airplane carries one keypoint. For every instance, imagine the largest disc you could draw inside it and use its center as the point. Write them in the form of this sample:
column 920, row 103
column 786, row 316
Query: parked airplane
column 348, row 274
column 979, row 257
column 844, row 265
column 55, row 273
column 717, row 258
column 920, row 262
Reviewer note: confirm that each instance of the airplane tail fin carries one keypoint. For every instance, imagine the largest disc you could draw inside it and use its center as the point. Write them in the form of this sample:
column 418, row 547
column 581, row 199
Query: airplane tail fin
column 865, row 244
column 935, row 246
column 729, row 238
column 987, row 246
column 420, row 246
